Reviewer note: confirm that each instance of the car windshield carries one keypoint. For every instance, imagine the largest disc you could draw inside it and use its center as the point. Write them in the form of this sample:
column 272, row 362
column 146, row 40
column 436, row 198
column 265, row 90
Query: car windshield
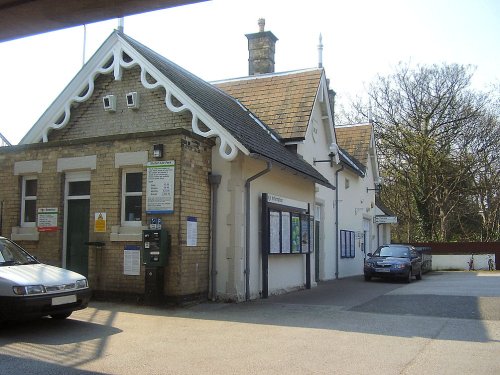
column 11, row 254
column 392, row 251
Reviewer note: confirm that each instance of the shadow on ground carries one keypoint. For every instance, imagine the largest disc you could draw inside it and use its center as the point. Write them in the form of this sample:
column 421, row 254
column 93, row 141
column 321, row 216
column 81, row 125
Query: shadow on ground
column 352, row 305
column 32, row 366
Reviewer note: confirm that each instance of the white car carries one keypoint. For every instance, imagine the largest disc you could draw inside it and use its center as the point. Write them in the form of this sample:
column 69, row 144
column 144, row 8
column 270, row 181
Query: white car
column 30, row 289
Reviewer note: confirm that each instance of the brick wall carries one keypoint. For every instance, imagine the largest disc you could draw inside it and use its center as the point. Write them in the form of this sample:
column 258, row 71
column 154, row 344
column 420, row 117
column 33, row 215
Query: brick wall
column 93, row 131
column 195, row 202
column 89, row 119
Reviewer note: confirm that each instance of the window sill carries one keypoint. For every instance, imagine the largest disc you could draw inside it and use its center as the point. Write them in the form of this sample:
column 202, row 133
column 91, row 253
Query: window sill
column 130, row 234
column 24, row 234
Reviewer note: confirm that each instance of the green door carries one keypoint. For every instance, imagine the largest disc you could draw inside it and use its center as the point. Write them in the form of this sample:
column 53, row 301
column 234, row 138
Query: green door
column 77, row 236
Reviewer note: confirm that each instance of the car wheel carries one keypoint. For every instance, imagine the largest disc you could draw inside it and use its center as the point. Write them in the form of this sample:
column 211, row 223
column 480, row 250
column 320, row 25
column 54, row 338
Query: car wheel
column 419, row 275
column 60, row 316
column 367, row 278
column 408, row 278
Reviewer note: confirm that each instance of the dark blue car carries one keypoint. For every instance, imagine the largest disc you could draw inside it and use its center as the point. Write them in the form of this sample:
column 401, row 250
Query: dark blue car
column 394, row 261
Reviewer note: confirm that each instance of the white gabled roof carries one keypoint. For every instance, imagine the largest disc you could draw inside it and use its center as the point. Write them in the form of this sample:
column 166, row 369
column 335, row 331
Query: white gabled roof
column 112, row 57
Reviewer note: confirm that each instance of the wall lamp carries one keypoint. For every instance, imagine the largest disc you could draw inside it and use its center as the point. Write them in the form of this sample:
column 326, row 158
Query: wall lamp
column 334, row 154
column 377, row 186
column 158, row 151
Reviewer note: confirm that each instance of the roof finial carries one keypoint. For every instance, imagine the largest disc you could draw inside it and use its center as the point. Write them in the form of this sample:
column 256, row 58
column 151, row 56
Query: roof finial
column 320, row 51
column 121, row 22
column 370, row 113
column 262, row 23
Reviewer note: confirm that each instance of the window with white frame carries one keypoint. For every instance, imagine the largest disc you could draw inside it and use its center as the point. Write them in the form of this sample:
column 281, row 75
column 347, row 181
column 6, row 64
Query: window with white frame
column 132, row 197
column 28, row 201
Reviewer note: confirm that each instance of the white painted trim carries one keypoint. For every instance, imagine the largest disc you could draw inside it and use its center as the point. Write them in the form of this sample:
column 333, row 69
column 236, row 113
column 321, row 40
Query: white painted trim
column 276, row 199
column 187, row 104
column 77, row 84
column 129, row 223
column 24, row 234
column 81, row 89
column 125, row 159
column 78, row 176
column 79, row 162
column 30, row 224
column 27, row 167
column 129, row 234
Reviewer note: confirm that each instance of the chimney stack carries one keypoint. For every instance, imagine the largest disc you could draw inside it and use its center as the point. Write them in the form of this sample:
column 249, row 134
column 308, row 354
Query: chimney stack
column 261, row 50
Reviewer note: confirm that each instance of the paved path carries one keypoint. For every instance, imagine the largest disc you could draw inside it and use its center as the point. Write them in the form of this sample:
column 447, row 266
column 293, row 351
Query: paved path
column 448, row 323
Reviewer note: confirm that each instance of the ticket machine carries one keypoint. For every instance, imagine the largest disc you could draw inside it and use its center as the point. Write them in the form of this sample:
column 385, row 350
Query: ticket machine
column 155, row 249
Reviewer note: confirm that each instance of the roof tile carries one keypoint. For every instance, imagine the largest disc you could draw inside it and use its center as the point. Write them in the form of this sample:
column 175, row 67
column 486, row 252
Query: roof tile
column 282, row 101
column 355, row 140
column 228, row 113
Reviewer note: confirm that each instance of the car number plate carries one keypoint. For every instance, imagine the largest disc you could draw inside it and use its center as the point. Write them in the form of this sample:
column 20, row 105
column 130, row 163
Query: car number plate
column 56, row 301
column 382, row 270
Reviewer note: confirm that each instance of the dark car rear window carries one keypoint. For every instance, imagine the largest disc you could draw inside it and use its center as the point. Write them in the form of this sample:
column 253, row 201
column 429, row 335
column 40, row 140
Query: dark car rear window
column 393, row 251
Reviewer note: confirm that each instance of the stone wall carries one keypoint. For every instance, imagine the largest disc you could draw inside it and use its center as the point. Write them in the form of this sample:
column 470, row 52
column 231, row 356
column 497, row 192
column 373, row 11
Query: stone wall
column 186, row 275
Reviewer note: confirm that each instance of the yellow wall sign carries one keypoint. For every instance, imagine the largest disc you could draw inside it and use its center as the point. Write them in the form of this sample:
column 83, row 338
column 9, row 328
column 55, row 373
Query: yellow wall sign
column 100, row 222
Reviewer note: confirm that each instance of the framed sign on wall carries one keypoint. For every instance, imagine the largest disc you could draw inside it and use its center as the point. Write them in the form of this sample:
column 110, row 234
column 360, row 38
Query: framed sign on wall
column 287, row 229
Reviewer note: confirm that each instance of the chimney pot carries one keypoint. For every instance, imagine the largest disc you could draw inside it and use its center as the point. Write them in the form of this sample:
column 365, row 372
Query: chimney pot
column 262, row 24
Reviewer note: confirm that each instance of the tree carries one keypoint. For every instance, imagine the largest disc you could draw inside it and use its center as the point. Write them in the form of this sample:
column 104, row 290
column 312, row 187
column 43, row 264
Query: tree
column 436, row 140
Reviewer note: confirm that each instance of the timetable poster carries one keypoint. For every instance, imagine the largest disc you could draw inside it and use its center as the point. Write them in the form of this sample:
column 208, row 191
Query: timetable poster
column 274, row 230
column 160, row 187
column 285, row 232
column 305, row 234
column 295, row 238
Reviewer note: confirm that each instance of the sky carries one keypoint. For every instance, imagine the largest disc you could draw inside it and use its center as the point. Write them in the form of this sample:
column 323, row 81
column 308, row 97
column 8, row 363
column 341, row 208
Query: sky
column 361, row 39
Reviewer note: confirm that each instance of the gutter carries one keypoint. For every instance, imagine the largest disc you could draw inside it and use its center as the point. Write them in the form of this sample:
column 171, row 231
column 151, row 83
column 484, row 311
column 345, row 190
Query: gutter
column 378, row 236
column 247, row 226
column 1, row 218
column 337, row 220
column 214, row 181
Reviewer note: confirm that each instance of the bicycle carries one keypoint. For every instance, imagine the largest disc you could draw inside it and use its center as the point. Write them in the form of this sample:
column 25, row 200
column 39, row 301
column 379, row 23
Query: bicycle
column 471, row 263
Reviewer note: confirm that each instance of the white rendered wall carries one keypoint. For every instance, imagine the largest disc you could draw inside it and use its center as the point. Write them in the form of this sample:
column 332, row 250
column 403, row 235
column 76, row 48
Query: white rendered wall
column 356, row 204
column 286, row 272
column 316, row 146
column 460, row 262
column 229, row 238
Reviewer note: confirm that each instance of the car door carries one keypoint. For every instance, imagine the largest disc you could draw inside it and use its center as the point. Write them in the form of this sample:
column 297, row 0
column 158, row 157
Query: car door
column 415, row 261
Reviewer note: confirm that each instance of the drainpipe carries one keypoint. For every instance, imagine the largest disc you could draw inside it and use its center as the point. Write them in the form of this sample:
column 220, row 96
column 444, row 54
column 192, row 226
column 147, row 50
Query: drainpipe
column 1, row 217
column 214, row 181
column 378, row 236
column 247, row 227
column 337, row 220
